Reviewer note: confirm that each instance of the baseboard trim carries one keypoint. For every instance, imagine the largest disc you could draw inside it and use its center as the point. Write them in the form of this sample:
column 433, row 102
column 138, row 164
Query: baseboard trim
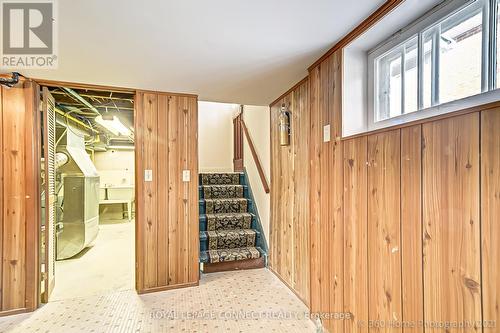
column 165, row 288
column 290, row 287
column 14, row 312
column 235, row 265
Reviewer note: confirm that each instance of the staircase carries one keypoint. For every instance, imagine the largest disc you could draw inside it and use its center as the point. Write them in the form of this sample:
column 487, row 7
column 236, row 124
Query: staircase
column 230, row 233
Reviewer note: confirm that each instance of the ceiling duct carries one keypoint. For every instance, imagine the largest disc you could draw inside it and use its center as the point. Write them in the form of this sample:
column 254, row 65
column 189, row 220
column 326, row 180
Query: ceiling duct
column 81, row 100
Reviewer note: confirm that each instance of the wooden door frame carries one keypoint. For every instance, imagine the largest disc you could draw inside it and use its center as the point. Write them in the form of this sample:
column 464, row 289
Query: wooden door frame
column 137, row 174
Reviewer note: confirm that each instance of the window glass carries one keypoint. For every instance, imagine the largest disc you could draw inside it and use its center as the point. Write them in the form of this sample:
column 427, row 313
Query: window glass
column 460, row 48
column 442, row 62
column 389, row 85
column 411, row 76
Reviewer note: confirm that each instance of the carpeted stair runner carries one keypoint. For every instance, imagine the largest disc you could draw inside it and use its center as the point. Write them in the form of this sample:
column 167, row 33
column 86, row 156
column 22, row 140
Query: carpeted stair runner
column 226, row 232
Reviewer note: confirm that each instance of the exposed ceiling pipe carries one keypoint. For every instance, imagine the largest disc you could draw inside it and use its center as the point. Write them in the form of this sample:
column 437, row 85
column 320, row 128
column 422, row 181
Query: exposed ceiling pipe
column 76, row 121
column 80, row 99
column 12, row 81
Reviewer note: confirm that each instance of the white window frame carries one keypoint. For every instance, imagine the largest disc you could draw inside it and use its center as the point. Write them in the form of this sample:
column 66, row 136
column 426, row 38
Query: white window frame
column 432, row 18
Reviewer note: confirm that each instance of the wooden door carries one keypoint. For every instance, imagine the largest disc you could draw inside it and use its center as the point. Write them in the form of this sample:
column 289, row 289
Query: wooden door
column 167, row 233
column 19, row 197
column 49, row 191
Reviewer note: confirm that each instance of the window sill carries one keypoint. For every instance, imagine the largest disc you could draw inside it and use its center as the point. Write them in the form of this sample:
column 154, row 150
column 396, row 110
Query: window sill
column 458, row 105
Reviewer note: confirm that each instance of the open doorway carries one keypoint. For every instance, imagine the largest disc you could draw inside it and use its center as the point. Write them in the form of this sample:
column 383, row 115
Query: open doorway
column 87, row 192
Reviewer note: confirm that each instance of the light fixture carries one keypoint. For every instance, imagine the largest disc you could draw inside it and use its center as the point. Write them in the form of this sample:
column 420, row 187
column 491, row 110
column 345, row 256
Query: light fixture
column 115, row 126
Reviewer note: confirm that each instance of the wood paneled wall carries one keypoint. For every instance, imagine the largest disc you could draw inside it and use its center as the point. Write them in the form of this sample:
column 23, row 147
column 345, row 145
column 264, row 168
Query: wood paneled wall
column 289, row 229
column 19, row 197
column 413, row 209
column 327, row 227
column 404, row 232
column 167, row 208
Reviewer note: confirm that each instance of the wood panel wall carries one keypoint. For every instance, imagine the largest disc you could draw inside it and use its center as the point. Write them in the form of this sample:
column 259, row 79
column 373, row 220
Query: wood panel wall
column 490, row 212
column 167, row 208
column 450, row 210
column 327, row 169
column 403, row 221
column 19, row 198
column 289, row 230
column 417, row 208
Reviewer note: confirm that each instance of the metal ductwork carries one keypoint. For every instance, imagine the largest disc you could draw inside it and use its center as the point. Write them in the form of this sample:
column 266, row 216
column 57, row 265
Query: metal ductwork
column 79, row 224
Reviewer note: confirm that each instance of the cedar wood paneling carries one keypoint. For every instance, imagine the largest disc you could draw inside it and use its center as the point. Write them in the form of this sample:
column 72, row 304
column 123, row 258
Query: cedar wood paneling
column 19, row 197
column 414, row 207
column 167, row 218
column 490, row 213
column 451, row 247
column 289, row 251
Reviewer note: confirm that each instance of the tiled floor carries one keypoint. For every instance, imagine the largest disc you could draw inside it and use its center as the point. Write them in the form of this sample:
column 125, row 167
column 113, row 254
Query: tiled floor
column 241, row 301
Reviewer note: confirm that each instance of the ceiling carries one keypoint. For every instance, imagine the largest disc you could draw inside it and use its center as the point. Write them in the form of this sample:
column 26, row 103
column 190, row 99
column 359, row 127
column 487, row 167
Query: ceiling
column 235, row 51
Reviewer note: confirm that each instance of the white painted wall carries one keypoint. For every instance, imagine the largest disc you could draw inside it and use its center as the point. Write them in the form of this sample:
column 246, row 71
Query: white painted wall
column 258, row 123
column 215, row 136
column 115, row 167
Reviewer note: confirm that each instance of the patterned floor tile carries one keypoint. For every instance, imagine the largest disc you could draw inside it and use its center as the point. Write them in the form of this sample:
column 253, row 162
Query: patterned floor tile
column 221, row 303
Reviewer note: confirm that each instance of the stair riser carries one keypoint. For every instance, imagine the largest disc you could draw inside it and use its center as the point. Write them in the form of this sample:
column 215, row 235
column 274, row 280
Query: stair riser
column 201, row 193
column 202, row 206
column 241, row 181
column 229, row 244
column 204, row 242
column 203, row 223
column 235, row 265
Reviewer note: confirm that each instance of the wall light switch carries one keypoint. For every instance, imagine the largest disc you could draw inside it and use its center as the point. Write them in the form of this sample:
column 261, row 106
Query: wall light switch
column 186, row 175
column 326, row 133
column 148, row 175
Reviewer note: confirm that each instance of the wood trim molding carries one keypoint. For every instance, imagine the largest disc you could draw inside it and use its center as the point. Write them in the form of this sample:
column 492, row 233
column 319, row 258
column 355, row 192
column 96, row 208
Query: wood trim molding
column 55, row 83
column 14, row 312
column 255, row 157
column 473, row 109
column 371, row 20
column 165, row 288
column 295, row 86
column 75, row 85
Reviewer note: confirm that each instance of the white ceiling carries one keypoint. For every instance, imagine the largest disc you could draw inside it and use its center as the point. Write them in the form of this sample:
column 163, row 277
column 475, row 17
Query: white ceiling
column 236, row 51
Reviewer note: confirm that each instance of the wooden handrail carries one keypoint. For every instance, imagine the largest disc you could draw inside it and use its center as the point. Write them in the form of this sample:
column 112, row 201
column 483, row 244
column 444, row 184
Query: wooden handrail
column 255, row 157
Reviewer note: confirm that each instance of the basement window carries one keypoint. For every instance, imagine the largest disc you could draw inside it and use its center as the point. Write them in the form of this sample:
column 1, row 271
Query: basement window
column 448, row 55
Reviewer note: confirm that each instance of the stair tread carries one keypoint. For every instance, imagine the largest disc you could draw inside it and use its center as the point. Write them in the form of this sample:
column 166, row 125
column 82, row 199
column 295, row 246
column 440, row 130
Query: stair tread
column 226, row 215
column 231, row 238
column 223, row 232
column 220, row 178
column 223, row 185
column 221, row 173
column 232, row 205
column 223, row 191
column 223, row 255
column 225, row 221
column 227, row 199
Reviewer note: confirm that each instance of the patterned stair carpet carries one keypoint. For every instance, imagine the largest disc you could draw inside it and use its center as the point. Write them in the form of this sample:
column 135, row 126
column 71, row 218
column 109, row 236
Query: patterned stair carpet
column 227, row 230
